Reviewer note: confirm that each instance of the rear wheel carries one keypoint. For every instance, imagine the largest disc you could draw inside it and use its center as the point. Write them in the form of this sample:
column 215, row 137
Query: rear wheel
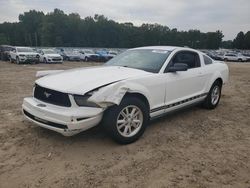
column 127, row 122
column 213, row 97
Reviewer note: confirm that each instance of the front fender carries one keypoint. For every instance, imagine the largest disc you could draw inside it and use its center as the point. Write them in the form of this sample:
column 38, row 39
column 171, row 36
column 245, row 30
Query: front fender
column 114, row 93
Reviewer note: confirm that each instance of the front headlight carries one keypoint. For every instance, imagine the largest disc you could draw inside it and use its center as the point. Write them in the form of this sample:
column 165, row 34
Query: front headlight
column 82, row 100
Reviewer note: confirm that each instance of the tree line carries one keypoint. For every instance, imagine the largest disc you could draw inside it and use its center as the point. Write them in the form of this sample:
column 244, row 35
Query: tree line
column 69, row 30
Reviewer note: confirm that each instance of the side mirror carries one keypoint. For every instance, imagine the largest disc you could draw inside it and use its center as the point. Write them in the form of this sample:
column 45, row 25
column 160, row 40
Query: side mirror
column 178, row 67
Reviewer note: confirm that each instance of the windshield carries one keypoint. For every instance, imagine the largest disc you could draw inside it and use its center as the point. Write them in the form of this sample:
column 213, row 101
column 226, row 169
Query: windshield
column 143, row 59
column 24, row 50
column 49, row 52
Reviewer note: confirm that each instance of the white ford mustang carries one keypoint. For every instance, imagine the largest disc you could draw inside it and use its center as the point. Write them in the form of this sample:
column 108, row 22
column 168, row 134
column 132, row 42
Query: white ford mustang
column 126, row 92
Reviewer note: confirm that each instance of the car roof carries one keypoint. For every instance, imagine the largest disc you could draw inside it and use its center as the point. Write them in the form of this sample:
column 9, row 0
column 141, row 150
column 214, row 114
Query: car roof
column 168, row 48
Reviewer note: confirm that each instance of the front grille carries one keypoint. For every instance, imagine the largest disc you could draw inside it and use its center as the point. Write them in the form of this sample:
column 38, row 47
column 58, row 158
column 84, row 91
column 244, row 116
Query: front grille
column 51, row 96
column 31, row 56
column 52, row 124
column 56, row 59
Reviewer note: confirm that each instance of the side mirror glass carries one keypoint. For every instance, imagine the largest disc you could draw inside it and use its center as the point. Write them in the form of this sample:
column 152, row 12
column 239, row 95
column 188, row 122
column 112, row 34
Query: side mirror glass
column 178, row 67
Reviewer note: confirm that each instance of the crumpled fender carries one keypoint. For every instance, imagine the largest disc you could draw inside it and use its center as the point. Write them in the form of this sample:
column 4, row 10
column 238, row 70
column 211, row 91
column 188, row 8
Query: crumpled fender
column 47, row 72
column 114, row 93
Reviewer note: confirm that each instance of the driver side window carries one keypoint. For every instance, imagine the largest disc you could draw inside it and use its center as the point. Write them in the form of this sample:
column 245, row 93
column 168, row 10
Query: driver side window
column 190, row 58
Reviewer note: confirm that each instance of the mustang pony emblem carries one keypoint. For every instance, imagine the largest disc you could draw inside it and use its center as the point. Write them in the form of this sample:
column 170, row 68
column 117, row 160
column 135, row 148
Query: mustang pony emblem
column 47, row 94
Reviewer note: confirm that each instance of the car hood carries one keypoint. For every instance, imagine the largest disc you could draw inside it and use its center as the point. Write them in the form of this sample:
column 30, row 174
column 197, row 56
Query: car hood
column 52, row 55
column 27, row 53
column 91, row 54
column 82, row 80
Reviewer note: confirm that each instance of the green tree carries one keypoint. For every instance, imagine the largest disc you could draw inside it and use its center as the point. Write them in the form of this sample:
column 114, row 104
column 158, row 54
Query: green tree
column 31, row 23
column 239, row 41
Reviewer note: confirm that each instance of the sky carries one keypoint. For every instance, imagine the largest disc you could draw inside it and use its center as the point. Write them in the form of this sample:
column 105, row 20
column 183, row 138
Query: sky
column 229, row 16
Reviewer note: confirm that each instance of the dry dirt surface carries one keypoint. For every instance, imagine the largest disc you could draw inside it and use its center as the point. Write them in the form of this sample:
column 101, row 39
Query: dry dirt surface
column 192, row 148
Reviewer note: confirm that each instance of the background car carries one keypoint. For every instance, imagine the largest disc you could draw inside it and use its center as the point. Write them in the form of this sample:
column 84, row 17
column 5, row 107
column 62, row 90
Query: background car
column 70, row 55
column 214, row 55
column 24, row 55
column 234, row 57
column 5, row 52
column 90, row 55
column 103, row 55
column 49, row 56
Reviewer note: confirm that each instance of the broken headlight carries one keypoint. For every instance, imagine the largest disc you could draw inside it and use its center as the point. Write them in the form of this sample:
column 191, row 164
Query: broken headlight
column 82, row 100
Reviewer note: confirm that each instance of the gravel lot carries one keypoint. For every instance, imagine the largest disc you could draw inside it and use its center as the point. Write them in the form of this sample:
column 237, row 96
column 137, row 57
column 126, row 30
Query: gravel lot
column 191, row 148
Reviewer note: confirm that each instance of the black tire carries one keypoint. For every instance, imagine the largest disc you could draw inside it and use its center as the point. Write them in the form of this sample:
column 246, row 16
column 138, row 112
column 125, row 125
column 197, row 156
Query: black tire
column 111, row 115
column 240, row 60
column 225, row 59
column 208, row 102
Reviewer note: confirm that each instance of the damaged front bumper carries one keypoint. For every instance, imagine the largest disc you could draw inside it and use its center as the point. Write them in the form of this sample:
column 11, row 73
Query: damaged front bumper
column 65, row 120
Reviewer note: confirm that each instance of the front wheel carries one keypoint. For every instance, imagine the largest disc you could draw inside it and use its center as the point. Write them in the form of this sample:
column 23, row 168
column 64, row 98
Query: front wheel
column 213, row 97
column 127, row 122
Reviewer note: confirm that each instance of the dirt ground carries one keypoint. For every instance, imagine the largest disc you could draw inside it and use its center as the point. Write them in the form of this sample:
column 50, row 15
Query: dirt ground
column 191, row 148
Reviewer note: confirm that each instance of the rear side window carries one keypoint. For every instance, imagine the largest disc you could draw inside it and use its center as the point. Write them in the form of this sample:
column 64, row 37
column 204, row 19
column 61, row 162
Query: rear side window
column 207, row 60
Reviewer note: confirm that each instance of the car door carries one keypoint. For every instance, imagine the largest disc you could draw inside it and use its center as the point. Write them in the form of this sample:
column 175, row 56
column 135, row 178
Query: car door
column 235, row 57
column 183, row 85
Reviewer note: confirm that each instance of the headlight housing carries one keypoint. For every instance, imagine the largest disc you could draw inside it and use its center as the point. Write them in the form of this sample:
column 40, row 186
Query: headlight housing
column 82, row 100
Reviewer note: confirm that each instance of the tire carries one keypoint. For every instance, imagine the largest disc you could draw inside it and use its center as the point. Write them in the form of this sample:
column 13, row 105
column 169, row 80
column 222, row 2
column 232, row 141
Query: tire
column 131, row 128
column 17, row 60
column 86, row 59
column 225, row 59
column 240, row 60
column 213, row 98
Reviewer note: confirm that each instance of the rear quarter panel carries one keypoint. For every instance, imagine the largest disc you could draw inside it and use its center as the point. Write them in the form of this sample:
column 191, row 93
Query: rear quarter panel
column 214, row 71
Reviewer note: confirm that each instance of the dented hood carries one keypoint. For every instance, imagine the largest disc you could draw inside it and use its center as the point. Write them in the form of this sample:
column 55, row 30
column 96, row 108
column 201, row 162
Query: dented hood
column 81, row 80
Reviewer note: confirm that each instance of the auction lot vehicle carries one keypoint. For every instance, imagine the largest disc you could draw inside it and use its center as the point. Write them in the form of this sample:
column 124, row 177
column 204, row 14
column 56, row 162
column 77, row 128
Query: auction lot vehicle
column 5, row 52
column 103, row 55
column 23, row 55
column 135, row 86
column 234, row 57
column 50, row 56
column 90, row 55
column 69, row 55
